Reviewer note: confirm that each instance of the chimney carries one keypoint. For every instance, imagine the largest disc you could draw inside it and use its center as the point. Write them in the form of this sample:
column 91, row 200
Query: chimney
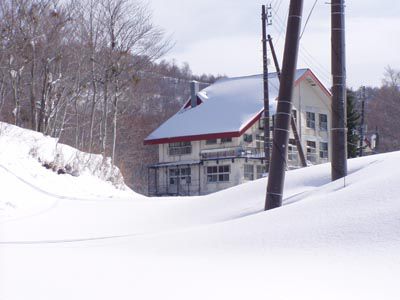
column 194, row 89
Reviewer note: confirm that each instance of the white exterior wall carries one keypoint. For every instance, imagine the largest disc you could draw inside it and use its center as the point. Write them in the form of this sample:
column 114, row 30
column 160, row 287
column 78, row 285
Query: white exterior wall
column 306, row 98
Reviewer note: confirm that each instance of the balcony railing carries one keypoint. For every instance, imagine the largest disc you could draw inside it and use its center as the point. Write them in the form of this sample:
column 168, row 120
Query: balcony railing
column 172, row 151
column 232, row 153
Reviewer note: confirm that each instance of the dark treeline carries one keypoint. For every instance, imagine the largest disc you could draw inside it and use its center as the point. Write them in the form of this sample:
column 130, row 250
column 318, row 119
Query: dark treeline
column 89, row 73
column 383, row 111
column 382, row 108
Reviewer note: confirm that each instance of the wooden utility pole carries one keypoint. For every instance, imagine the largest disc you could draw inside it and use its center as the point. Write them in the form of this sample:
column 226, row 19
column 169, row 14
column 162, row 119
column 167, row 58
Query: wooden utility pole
column 267, row 136
column 292, row 119
column 360, row 153
column 339, row 124
column 277, row 168
column 277, row 68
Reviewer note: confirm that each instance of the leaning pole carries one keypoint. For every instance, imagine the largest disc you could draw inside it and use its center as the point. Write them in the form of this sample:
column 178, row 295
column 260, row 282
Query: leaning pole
column 276, row 176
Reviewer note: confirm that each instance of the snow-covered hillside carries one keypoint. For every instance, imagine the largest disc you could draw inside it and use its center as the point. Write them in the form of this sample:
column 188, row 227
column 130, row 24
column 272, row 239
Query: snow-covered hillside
column 80, row 237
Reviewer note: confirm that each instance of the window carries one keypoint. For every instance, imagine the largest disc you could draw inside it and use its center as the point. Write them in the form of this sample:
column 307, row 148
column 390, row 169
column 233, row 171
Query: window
column 323, row 122
column 261, row 122
column 180, row 175
column 310, row 120
column 211, row 142
column 260, row 171
column 218, row 173
column 311, row 152
column 226, row 140
column 294, row 114
column 249, row 172
column 272, row 123
column 248, row 138
column 323, row 150
column 259, row 141
column 179, row 148
column 292, row 150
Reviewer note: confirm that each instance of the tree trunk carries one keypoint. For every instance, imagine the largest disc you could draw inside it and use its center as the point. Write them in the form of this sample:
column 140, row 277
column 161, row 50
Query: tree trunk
column 43, row 99
column 115, row 110
column 105, row 115
column 32, row 91
column 92, row 111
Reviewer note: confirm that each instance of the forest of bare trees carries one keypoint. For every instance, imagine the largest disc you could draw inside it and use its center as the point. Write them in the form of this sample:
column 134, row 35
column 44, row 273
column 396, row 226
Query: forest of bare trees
column 59, row 61
column 89, row 73
column 383, row 111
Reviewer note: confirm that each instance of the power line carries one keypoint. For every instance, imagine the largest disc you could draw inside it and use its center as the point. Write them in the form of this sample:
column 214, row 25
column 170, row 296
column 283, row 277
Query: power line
column 308, row 18
column 305, row 55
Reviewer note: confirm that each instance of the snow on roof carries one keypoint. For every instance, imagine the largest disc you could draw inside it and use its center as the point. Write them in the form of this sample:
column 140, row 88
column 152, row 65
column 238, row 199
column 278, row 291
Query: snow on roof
column 228, row 107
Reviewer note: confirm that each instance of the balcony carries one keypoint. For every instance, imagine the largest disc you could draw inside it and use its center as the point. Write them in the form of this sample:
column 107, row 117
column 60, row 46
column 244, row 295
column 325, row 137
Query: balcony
column 232, row 152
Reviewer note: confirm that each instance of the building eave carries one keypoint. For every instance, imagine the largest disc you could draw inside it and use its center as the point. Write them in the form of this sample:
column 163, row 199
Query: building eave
column 209, row 136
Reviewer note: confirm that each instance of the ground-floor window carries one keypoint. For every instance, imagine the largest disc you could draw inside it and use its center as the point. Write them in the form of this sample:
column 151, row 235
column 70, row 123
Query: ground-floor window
column 260, row 171
column 323, row 150
column 218, row 173
column 311, row 152
column 292, row 150
column 181, row 175
column 249, row 172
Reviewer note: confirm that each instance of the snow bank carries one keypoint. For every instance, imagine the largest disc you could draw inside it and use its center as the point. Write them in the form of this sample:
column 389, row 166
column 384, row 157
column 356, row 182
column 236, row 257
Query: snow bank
column 57, row 157
column 29, row 167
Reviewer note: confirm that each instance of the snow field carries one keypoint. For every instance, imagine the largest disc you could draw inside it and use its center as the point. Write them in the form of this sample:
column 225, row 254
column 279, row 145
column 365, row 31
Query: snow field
column 65, row 237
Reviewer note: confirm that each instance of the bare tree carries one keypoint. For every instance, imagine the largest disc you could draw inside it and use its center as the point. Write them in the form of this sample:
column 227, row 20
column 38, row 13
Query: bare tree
column 383, row 109
column 129, row 33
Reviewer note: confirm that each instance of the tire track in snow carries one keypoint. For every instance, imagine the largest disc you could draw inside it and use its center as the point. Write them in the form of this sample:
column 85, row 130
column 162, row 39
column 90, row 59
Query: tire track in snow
column 73, row 240
column 61, row 197
column 77, row 240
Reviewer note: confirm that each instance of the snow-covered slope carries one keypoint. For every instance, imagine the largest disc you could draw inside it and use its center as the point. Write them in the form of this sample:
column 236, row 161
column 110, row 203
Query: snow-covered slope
column 66, row 237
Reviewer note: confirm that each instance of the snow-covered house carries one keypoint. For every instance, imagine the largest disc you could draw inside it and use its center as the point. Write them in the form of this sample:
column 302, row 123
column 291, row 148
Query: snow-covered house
column 215, row 140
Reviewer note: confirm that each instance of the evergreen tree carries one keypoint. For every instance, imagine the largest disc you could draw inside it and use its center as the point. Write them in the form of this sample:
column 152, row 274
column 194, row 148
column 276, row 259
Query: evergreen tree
column 352, row 126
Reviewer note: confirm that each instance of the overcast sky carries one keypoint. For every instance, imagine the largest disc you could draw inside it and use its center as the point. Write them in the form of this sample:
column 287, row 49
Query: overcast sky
column 224, row 37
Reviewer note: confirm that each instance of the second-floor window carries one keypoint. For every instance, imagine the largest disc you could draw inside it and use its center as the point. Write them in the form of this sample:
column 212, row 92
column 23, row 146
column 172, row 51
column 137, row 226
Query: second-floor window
column 211, row 142
column 259, row 141
column 323, row 122
column 248, row 138
column 261, row 122
column 179, row 148
column 218, row 173
column 310, row 119
column 226, row 140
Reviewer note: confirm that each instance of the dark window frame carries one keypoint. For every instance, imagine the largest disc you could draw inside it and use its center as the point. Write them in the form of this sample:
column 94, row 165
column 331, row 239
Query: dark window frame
column 310, row 120
column 218, row 173
column 323, row 124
